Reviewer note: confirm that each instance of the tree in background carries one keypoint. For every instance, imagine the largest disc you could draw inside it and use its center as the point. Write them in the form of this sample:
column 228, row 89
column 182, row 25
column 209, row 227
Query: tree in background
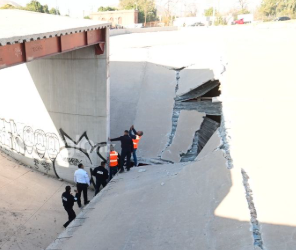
column 209, row 12
column 45, row 9
column 86, row 17
column 147, row 10
column 54, row 11
column 278, row 8
column 8, row 6
column 243, row 7
column 108, row 8
column 34, row 6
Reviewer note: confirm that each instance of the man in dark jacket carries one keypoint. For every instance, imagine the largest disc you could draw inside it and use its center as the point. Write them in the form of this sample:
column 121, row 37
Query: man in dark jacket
column 101, row 174
column 68, row 203
column 127, row 148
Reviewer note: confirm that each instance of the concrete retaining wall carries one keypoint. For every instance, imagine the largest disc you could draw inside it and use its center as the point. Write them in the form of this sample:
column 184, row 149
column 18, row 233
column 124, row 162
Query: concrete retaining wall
column 55, row 111
column 117, row 32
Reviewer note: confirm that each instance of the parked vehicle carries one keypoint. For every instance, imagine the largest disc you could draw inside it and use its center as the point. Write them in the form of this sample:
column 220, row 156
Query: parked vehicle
column 197, row 24
column 240, row 21
column 282, row 18
column 248, row 18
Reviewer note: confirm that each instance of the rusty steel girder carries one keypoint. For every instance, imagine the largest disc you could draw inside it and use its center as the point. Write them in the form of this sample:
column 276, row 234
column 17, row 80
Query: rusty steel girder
column 18, row 53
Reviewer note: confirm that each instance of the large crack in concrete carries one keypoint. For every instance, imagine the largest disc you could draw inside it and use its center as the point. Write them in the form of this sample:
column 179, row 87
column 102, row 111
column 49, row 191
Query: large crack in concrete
column 223, row 133
column 201, row 137
column 191, row 101
column 258, row 242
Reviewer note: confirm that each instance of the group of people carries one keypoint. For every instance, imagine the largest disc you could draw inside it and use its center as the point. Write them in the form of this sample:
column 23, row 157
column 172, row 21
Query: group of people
column 129, row 145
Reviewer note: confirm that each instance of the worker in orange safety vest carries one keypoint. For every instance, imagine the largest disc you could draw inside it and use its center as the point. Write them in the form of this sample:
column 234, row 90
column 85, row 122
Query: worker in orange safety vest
column 114, row 161
column 136, row 136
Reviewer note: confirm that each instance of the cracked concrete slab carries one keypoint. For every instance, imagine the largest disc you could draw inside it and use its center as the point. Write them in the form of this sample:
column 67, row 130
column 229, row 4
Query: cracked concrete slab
column 258, row 100
column 166, row 207
column 188, row 123
column 158, row 94
column 192, row 77
column 143, row 75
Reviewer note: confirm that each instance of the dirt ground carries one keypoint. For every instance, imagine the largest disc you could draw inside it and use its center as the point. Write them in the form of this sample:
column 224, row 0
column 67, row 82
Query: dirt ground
column 31, row 211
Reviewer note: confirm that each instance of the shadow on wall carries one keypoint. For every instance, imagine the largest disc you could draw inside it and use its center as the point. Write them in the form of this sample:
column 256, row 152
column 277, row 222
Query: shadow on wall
column 142, row 93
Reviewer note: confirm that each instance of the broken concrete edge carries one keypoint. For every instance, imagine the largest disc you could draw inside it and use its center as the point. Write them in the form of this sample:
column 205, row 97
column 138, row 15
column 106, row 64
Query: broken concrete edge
column 198, row 91
column 225, row 147
column 80, row 218
column 153, row 161
column 117, row 32
column 256, row 229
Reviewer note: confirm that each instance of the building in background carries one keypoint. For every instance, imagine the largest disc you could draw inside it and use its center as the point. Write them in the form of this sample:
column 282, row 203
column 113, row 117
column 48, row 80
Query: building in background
column 125, row 18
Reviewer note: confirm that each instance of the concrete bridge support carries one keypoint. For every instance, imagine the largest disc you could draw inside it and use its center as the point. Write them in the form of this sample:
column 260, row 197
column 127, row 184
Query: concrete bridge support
column 55, row 111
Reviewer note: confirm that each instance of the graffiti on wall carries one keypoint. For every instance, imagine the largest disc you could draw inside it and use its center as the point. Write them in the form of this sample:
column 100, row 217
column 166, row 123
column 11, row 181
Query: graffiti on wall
column 75, row 152
column 46, row 152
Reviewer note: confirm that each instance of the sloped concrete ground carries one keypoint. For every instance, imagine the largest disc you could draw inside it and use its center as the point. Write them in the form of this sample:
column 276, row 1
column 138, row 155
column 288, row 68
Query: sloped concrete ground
column 203, row 205
column 31, row 211
column 163, row 207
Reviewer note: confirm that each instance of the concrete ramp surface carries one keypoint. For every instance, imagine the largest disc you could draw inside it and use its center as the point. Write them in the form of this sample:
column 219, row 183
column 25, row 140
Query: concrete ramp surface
column 163, row 207
column 224, row 177
column 31, row 211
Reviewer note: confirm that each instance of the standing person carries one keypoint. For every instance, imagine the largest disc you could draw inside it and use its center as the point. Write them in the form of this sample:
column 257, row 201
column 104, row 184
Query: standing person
column 101, row 174
column 114, row 162
column 68, row 202
column 127, row 148
column 82, row 181
column 136, row 136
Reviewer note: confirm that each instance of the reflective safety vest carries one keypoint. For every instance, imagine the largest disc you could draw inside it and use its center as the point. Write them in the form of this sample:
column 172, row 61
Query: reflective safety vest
column 113, row 158
column 136, row 141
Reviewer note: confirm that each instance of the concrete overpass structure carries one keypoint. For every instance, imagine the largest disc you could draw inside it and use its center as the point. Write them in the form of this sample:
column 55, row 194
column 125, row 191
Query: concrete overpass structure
column 55, row 86
column 216, row 106
column 238, row 191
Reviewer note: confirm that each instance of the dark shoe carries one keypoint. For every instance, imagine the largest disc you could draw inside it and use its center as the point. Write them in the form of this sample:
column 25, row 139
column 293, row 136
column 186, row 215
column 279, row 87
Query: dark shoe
column 79, row 206
column 85, row 203
column 121, row 171
column 128, row 169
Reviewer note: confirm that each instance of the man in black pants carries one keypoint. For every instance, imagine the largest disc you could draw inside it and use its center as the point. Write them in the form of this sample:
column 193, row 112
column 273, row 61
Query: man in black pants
column 127, row 148
column 101, row 174
column 68, row 203
column 82, row 181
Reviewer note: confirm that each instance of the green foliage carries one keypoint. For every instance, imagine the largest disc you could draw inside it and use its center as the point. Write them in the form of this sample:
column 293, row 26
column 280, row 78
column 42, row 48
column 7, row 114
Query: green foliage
column 54, row 11
column 108, row 8
column 8, row 6
column 243, row 11
column 209, row 12
column 86, row 17
column 219, row 20
column 45, row 9
column 278, row 7
column 34, row 6
column 128, row 4
column 147, row 9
